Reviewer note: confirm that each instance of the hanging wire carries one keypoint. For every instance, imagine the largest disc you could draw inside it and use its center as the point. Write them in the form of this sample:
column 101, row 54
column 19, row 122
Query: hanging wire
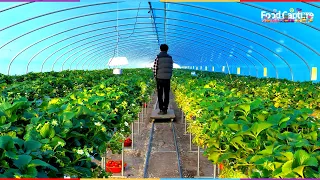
column 118, row 39
column 229, row 70
column 152, row 20
column 165, row 20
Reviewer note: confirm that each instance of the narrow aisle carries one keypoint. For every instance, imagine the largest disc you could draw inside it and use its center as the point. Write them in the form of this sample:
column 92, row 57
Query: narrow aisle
column 163, row 158
column 163, row 162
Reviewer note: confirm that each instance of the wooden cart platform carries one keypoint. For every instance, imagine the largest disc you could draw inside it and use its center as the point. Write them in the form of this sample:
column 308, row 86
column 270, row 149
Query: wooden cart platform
column 155, row 116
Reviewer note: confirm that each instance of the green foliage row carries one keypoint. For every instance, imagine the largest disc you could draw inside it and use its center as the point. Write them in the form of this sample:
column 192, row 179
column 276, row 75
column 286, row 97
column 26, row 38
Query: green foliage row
column 258, row 128
column 52, row 135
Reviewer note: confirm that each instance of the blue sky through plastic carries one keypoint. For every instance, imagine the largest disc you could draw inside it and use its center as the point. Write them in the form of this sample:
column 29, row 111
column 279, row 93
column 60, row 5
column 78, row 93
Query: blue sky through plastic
column 198, row 34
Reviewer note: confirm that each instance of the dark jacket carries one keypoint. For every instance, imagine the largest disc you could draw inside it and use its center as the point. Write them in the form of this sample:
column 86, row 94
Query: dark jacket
column 163, row 66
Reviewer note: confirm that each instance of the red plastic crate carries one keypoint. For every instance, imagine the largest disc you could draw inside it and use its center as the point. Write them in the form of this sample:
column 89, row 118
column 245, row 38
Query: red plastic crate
column 114, row 168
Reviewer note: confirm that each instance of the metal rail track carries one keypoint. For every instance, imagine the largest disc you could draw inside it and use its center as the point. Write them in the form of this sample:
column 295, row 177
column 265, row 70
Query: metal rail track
column 146, row 166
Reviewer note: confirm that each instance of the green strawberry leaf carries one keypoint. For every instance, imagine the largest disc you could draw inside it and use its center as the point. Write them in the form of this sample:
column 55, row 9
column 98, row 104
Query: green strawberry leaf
column 32, row 145
column 37, row 162
column 11, row 155
column 45, row 130
column 68, row 115
column 259, row 126
column 22, row 161
column 56, row 140
column 300, row 157
column 299, row 170
column 6, row 142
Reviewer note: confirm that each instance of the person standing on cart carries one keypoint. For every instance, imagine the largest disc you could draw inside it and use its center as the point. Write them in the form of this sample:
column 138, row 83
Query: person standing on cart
column 162, row 69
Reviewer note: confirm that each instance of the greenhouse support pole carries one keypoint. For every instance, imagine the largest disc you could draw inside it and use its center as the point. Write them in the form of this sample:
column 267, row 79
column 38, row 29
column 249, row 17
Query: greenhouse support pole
column 122, row 158
column 183, row 121
column 228, row 70
column 214, row 171
column 142, row 114
column 154, row 23
column 117, row 30
column 198, row 168
column 132, row 135
column 190, row 142
column 103, row 162
column 185, row 128
column 165, row 20
column 181, row 116
column 139, row 122
column 143, row 109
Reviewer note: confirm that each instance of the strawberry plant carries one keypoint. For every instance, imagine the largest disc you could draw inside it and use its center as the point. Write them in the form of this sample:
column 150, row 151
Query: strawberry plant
column 65, row 128
column 252, row 125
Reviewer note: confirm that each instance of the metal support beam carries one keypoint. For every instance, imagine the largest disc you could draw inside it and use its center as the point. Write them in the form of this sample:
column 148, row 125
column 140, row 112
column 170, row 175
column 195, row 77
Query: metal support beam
column 154, row 21
column 165, row 20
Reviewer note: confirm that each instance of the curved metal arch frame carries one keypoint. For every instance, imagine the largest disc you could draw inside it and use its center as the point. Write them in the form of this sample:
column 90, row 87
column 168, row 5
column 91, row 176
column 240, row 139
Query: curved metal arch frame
column 222, row 46
column 69, row 38
column 74, row 43
column 201, row 44
column 89, row 54
column 152, row 61
column 103, row 55
column 98, row 4
column 92, row 53
column 210, row 41
column 182, row 57
column 85, row 16
column 190, row 59
column 201, row 52
column 65, row 32
column 57, row 22
column 213, row 19
column 147, row 23
column 81, row 40
column 87, row 47
column 81, row 50
column 255, row 23
column 224, row 62
column 191, row 32
column 16, row 6
column 135, row 57
column 97, row 62
column 133, row 47
column 314, row 5
column 100, row 29
column 95, row 50
column 98, row 43
column 54, row 12
column 211, row 27
column 103, row 46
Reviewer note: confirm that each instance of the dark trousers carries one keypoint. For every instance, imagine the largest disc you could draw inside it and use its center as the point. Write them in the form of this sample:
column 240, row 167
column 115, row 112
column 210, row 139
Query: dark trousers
column 163, row 88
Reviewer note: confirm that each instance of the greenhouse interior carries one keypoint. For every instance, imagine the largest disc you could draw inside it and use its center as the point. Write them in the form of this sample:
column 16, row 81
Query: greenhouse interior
column 159, row 89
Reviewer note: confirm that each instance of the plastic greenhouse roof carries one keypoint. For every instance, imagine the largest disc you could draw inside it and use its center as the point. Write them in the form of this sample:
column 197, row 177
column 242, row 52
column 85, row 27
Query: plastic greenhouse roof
column 46, row 36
